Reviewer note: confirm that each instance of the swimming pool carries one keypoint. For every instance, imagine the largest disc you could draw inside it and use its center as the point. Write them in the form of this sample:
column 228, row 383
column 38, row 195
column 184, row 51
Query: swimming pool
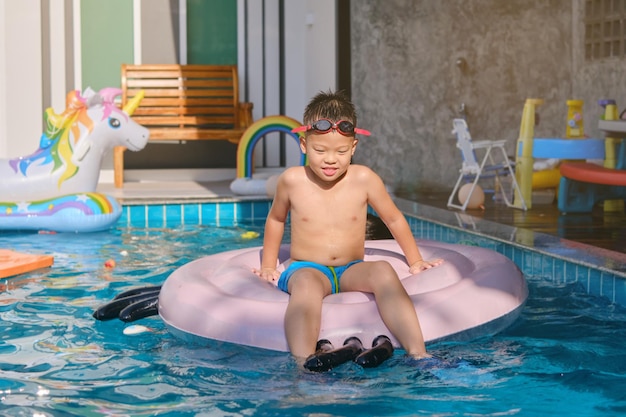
column 564, row 355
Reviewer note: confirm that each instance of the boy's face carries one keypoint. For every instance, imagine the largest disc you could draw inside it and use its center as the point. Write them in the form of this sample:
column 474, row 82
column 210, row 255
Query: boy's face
column 329, row 154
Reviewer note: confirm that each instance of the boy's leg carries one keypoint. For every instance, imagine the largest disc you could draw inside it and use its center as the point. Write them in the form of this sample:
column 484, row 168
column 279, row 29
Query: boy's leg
column 307, row 288
column 394, row 304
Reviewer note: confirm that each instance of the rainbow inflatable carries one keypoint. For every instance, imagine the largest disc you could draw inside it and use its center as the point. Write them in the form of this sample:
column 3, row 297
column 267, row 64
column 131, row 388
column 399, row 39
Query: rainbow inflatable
column 244, row 184
column 54, row 188
column 77, row 212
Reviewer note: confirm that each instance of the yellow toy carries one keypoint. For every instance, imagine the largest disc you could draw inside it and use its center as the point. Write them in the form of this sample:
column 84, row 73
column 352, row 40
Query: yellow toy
column 610, row 159
column 574, row 146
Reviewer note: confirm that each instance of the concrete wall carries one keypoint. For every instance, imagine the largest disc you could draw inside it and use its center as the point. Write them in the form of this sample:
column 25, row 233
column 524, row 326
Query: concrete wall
column 415, row 63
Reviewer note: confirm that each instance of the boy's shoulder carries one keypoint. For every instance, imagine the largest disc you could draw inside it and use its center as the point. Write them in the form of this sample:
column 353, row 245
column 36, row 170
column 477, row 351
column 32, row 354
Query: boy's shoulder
column 294, row 173
column 291, row 171
column 361, row 170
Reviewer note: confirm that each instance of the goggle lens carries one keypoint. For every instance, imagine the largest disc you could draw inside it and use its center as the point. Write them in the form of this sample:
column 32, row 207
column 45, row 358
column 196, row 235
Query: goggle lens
column 322, row 126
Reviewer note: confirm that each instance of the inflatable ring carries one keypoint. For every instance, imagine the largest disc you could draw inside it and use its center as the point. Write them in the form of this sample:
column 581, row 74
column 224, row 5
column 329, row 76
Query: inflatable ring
column 475, row 292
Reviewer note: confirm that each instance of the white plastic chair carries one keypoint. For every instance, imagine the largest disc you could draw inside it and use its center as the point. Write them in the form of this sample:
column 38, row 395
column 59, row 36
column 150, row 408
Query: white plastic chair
column 472, row 171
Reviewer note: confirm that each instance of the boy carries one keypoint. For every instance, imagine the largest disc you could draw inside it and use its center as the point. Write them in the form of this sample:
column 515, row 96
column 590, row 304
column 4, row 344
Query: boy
column 328, row 202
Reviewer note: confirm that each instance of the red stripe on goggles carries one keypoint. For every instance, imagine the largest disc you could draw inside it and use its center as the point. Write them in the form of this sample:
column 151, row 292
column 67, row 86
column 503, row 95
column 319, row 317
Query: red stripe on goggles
column 322, row 126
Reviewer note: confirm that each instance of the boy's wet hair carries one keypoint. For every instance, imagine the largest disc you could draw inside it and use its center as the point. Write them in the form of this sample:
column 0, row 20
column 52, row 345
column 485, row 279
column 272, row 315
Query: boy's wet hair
column 330, row 105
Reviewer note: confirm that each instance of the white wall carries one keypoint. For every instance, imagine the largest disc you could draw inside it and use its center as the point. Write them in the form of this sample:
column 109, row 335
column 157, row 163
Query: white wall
column 21, row 101
column 310, row 34
column 4, row 145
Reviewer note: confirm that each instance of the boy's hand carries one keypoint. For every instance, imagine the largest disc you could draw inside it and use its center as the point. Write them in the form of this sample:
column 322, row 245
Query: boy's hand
column 268, row 274
column 423, row 265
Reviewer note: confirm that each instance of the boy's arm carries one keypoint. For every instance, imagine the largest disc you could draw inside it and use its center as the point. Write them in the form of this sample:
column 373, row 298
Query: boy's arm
column 381, row 202
column 274, row 230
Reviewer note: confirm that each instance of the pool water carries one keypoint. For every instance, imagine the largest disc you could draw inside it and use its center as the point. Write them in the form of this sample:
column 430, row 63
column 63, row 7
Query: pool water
column 565, row 355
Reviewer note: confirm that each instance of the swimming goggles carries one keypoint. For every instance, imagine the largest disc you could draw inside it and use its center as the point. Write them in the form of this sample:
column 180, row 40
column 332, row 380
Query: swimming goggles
column 324, row 126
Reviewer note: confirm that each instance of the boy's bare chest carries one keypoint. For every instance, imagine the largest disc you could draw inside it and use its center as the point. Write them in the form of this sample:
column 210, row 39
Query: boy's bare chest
column 329, row 209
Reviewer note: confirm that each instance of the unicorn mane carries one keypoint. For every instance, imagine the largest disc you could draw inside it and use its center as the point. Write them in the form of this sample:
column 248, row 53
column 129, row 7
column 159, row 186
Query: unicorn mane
column 64, row 131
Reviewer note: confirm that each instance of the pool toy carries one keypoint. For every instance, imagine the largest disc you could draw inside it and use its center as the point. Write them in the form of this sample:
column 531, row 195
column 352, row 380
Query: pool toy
column 15, row 263
column 475, row 292
column 546, row 178
column 476, row 198
column 576, row 146
column 78, row 213
column 583, row 184
column 326, row 356
column 130, row 305
column 245, row 183
column 250, row 235
column 613, row 139
column 575, row 127
column 55, row 186
column 136, row 329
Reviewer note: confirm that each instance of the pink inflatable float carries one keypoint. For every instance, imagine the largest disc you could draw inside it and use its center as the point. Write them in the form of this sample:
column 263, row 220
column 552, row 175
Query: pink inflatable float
column 476, row 292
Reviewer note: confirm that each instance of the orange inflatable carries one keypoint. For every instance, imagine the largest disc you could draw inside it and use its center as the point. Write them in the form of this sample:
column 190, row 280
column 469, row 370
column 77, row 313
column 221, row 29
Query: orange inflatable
column 15, row 263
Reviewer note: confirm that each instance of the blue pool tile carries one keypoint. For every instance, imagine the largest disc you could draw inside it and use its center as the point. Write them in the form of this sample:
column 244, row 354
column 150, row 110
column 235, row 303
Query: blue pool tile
column 208, row 214
column 244, row 212
column 570, row 273
column 607, row 286
column 226, row 214
column 549, row 265
column 594, row 284
column 156, row 216
column 138, row 215
column 191, row 213
column 260, row 209
column 619, row 293
column 173, row 215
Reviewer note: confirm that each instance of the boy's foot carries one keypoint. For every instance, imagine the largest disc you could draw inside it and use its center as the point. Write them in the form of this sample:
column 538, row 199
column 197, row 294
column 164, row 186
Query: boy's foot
column 381, row 350
column 325, row 358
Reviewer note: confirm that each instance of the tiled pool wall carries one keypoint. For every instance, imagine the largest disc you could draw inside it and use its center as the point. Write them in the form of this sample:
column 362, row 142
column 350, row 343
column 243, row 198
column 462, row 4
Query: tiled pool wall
column 222, row 213
column 535, row 264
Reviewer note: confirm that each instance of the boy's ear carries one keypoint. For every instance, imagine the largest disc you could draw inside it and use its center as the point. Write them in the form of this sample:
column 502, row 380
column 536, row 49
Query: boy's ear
column 354, row 143
column 303, row 144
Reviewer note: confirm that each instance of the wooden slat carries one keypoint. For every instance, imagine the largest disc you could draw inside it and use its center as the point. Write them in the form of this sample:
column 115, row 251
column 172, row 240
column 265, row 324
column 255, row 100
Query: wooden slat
column 178, row 111
column 205, row 84
column 185, row 121
column 185, row 102
column 192, row 134
column 186, row 99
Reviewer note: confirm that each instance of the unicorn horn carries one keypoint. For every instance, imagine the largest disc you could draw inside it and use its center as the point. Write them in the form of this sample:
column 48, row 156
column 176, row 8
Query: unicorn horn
column 133, row 103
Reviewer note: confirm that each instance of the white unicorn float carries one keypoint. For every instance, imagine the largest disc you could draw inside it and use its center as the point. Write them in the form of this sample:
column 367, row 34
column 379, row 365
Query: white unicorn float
column 54, row 188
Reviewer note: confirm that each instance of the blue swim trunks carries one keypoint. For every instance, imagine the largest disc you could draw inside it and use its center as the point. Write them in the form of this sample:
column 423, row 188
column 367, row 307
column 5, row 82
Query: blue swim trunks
column 333, row 273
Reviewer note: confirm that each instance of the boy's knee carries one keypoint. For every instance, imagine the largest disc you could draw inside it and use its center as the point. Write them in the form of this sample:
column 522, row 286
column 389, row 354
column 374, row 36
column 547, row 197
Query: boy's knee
column 384, row 276
column 308, row 282
column 384, row 269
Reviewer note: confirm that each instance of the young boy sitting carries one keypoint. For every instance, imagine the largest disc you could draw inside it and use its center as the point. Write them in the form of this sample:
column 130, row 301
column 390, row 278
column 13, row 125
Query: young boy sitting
column 327, row 201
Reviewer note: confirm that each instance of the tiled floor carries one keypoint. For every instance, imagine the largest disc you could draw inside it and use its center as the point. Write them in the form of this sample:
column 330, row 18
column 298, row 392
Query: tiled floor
column 134, row 192
column 605, row 230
